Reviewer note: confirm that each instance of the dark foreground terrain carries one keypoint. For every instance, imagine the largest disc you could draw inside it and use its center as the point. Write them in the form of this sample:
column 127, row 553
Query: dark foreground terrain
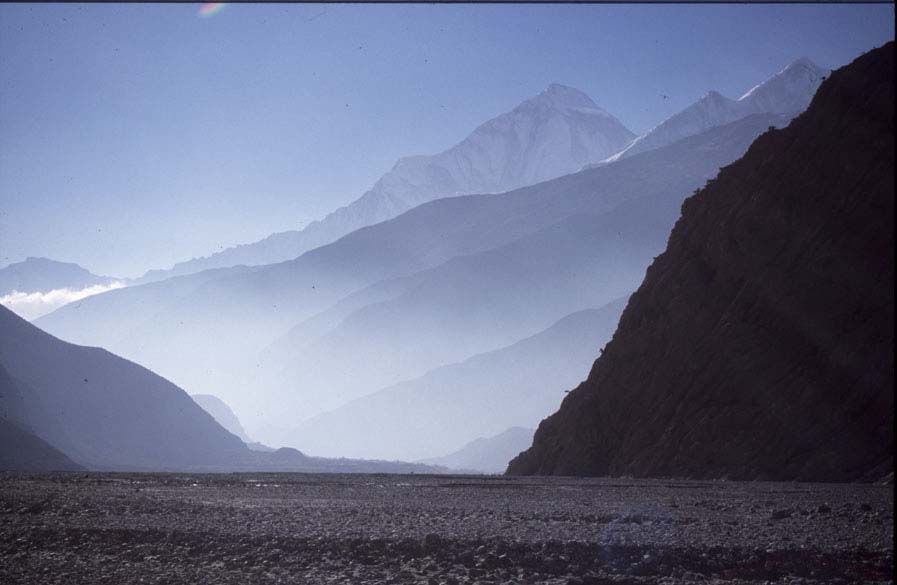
column 294, row 528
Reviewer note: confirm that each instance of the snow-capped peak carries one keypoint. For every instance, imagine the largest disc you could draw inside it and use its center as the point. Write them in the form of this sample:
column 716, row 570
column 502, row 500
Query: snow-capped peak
column 564, row 97
column 713, row 96
column 787, row 92
column 553, row 133
column 550, row 134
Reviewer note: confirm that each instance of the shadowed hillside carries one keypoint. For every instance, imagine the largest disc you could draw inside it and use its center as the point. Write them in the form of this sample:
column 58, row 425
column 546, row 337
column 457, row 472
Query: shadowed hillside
column 104, row 411
column 760, row 344
column 23, row 451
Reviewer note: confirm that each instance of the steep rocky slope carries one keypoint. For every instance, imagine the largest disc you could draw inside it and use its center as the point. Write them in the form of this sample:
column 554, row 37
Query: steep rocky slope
column 760, row 344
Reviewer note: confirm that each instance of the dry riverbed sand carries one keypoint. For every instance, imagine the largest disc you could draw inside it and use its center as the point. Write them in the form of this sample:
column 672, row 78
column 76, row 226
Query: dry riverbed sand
column 295, row 528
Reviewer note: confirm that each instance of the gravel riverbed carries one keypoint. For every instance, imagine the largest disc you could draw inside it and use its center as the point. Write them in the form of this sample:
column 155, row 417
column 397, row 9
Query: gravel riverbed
column 307, row 529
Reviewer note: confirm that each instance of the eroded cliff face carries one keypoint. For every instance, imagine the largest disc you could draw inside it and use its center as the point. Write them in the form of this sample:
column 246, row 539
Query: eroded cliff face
column 761, row 343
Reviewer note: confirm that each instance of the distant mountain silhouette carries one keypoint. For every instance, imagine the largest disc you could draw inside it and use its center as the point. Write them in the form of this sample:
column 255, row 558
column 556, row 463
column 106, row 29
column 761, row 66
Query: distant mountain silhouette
column 487, row 454
column 452, row 405
column 42, row 275
column 38, row 286
column 787, row 92
column 465, row 251
column 104, row 412
column 222, row 413
column 474, row 303
column 761, row 343
column 555, row 133
column 547, row 136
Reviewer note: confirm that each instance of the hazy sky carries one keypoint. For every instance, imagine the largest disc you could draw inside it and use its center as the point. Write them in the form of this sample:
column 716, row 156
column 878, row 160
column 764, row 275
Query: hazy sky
column 134, row 136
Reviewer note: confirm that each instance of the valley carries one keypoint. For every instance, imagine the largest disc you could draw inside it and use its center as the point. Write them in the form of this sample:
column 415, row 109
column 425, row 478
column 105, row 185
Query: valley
column 444, row 294
column 288, row 528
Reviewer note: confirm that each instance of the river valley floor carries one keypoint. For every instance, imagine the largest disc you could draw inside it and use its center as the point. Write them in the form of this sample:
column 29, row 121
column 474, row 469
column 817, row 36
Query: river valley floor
column 119, row 528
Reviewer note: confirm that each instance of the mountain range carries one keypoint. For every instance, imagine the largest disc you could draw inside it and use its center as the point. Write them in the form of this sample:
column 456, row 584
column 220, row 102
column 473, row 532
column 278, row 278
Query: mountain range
column 487, row 454
column 433, row 266
column 445, row 281
column 103, row 411
column 552, row 134
column 67, row 407
column 38, row 286
column 555, row 133
column 43, row 275
column 442, row 410
column 761, row 343
column 787, row 92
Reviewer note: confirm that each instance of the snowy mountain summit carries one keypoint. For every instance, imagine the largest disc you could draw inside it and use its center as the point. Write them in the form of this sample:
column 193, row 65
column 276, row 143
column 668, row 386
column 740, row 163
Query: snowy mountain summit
column 554, row 133
column 787, row 92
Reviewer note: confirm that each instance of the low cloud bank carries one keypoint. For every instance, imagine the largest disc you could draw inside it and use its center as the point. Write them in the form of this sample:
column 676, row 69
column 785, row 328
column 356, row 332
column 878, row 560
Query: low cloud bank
column 32, row 305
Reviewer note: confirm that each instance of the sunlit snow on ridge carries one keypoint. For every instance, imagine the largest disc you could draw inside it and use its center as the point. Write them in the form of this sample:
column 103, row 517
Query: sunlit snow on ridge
column 32, row 305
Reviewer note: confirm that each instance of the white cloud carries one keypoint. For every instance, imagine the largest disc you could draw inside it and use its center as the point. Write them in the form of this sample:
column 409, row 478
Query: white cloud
column 36, row 304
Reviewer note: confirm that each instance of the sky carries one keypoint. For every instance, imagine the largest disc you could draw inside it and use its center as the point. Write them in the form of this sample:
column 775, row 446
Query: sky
column 135, row 136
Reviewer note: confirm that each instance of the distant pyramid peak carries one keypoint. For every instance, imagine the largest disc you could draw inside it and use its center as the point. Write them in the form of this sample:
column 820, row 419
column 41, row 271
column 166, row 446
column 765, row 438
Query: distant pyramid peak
column 787, row 92
column 801, row 62
column 561, row 89
column 713, row 95
column 564, row 96
column 802, row 67
column 800, row 74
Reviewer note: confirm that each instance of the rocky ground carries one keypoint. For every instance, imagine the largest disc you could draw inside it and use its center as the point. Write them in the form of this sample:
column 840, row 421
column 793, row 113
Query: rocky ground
column 294, row 528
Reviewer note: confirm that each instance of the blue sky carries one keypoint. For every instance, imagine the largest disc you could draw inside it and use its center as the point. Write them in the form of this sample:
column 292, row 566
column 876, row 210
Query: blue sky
column 134, row 136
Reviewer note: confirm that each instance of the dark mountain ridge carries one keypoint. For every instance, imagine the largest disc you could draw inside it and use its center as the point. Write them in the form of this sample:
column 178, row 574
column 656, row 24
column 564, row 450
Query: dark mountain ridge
column 63, row 406
column 761, row 343
column 103, row 411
